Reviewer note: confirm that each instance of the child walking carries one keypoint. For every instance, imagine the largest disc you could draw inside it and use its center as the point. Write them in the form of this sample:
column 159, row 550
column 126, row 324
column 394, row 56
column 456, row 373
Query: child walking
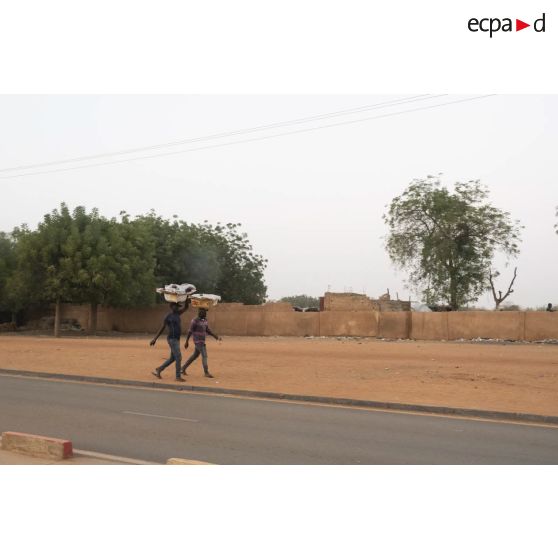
column 199, row 328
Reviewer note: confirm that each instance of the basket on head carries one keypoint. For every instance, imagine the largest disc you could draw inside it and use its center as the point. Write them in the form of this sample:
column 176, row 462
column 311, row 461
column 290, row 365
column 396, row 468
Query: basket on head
column 177, row 293
column 205, row 300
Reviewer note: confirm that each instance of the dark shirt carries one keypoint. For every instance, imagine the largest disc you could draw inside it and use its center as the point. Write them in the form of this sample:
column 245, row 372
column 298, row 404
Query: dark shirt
column 174, row 327
column 199, row 328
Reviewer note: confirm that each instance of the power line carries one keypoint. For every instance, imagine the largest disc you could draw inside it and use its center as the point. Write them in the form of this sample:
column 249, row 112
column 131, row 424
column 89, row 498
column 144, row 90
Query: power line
column 248, row 140
column 376, row 106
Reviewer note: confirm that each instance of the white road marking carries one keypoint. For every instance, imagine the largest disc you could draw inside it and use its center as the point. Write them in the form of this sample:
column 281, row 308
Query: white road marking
column 159, row 416
column 285, row 401
column 115, row 458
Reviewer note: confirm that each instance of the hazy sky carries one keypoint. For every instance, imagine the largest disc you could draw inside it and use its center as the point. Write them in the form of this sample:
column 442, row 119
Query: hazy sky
column 311, row 202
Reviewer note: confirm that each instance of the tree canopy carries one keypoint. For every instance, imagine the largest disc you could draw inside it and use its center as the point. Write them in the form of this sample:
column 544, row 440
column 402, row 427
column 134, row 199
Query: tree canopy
column 447, row 240
column 216, row 258
column 302, row 301
column 7, row 266
column 83, row 257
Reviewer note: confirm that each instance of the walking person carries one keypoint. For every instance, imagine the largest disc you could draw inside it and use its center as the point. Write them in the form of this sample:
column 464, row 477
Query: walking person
column 174, row 326
column 199, row 328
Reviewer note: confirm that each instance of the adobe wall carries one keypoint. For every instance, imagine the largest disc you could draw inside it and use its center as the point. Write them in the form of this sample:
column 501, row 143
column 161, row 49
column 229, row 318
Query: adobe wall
column 349, row 324
column 255, row 323
column 79, row 312
column 394, row 305
column 541, row 325
column 489, row 325
column 265, row 323
column 347, row 302
column 291, row 324
column 229, row 307
column 343, row 302
column 139, row 320
column 282, row 321
column 395, row 325
column 239, row 307
column 272, row 307
column 429, row 326
column 229, row 322
column 126, row 320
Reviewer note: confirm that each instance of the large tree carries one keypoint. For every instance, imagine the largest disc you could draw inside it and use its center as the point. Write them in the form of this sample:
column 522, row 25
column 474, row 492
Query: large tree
column 180, row 255
column 240, row 272
column 7, row 270
column 216, row 258
column 80, row 256
column 446, row 240
column 111, row 261
column 44, row 271
column 21, row 280
column 76, row 256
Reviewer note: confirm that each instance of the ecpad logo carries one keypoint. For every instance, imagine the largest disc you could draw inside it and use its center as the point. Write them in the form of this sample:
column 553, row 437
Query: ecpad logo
column 493, row 25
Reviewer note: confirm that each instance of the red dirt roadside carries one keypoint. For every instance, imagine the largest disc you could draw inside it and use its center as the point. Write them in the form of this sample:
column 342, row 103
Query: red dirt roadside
column 514, row 377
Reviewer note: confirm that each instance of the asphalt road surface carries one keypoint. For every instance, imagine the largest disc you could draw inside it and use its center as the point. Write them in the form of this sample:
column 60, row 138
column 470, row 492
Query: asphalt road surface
column 154, row 425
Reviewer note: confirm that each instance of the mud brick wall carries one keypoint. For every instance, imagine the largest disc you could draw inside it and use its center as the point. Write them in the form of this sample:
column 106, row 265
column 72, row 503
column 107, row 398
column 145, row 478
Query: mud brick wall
column 280, row 320
column 347, row 302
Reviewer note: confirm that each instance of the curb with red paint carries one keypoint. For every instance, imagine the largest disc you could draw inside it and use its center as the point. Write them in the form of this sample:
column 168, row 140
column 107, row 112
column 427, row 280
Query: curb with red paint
column 37, row 446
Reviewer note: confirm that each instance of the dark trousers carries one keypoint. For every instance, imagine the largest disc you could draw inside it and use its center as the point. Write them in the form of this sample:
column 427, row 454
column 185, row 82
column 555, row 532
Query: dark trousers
column 175, row 356
column 199, row 350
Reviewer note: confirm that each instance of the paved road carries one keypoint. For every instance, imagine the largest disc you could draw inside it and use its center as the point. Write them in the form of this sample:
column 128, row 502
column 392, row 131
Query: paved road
column 155, row 425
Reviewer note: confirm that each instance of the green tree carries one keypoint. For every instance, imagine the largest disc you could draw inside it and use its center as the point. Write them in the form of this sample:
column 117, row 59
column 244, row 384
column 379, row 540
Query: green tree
column 109, row 262
column 180, row 254
column 20, row 283
column 241, row 272
column 446, row 241
column 215, row 258
column 44, row 271
column 25, row 284
column 76, row 256
column 303, row 301
column 7, row 269
column 80, row 256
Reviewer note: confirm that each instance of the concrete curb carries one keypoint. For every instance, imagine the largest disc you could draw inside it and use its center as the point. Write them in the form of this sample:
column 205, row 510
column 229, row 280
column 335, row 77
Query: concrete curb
column 346, row 402
column 55, row 449
column 34, row 445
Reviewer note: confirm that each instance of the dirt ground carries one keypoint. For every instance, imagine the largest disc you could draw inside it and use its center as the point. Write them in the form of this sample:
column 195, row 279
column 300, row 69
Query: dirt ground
column 513, row 377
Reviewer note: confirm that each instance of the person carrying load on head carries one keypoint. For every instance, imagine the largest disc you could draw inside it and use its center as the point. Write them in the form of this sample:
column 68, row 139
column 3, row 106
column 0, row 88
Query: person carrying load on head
column 174, row 331
column 199, row 328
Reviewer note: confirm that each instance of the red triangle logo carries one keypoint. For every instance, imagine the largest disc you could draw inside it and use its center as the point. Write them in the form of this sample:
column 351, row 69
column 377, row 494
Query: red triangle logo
column 519, row 25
